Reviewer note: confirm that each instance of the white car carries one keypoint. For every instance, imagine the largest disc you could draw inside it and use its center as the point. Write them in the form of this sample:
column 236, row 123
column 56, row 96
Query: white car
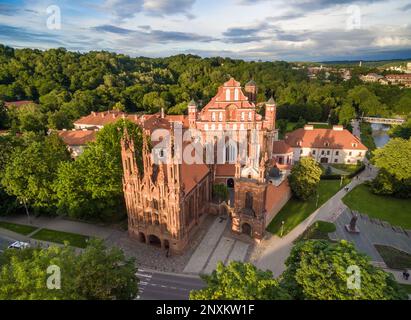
column 19, row 245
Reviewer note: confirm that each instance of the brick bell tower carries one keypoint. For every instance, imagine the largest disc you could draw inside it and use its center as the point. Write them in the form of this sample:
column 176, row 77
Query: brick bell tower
column 249, row 216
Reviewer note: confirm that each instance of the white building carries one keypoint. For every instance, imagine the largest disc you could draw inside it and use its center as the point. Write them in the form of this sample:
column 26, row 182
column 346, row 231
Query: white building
column 336, row 145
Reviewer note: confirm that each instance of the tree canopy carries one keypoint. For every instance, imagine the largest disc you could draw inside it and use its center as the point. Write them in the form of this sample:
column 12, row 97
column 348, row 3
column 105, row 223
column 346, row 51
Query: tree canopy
column 97, row 273
column 31, row 169
column 394, row 176
column 321, row 270
column 304, row 178
column 91, row 186
column 240, row 281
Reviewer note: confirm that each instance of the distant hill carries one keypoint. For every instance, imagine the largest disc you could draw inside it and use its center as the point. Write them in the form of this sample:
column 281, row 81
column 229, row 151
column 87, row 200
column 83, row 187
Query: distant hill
column 369, row 64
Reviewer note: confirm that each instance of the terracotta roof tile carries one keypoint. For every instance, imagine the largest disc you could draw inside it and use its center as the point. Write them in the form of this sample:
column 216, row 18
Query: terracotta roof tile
column 324, row 138
column 281, row 147
column 225, row 170
column 17, row 103
column 77, row 137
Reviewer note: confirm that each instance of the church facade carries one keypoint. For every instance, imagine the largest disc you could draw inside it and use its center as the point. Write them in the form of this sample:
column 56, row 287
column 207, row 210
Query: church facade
column 167, row 201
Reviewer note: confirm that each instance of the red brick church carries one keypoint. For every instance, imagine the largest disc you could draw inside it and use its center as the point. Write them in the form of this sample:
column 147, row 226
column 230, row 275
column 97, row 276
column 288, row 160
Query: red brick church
column 169, row 200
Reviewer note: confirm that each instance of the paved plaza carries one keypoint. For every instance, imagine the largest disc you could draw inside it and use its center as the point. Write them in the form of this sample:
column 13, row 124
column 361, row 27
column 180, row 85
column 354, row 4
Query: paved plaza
column 217, row 246
column 372, row 231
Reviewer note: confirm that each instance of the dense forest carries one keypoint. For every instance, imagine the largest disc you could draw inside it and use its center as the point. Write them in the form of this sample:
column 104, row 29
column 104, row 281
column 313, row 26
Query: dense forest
column 36, row 172
column 67, row 85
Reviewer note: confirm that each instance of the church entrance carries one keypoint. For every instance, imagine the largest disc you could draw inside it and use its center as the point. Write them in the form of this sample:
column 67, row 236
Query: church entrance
column 142, row 237
column 166, row 244
column 154, row 241
column 246, row 229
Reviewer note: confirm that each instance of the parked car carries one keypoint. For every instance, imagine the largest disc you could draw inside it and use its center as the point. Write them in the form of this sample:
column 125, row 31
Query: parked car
column 19, row 245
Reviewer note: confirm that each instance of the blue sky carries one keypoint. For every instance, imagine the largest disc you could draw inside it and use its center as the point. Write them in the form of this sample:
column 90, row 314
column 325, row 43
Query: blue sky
column 293, row 30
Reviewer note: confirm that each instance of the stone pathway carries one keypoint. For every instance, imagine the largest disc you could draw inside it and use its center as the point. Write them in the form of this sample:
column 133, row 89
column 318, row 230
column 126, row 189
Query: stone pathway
column 372, row 231
column 217, row 245
column 146, row 256
column 273, row 251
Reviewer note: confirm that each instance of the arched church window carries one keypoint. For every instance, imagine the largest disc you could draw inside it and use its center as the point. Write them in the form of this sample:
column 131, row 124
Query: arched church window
column 249, row 200
column 236, row 94
column 227, row 94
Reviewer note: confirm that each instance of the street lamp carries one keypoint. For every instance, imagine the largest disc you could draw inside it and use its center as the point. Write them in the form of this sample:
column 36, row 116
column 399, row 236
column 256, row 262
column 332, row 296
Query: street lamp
column 282, row 228
column 24, row 202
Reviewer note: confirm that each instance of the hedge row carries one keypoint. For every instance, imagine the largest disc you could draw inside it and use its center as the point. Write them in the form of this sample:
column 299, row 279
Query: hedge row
column 338, row 176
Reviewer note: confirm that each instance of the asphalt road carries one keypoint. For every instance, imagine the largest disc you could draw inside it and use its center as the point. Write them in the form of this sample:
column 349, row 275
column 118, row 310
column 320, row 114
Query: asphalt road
column 153, row 285
column 160, row 286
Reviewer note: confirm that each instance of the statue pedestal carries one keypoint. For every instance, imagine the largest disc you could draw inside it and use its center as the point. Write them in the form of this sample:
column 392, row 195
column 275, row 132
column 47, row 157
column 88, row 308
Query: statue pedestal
column 355, row 230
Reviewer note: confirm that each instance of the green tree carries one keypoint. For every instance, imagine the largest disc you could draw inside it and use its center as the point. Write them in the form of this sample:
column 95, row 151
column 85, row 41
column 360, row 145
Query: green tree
column 240, row 281
column 31, row 170
column 220, row 192
column 401, row 131
column 394, row 157
column 304, row 178
column 365, row 101
column 403, row 106
column 346, row 114
column 91, row 186
column 394, row 176
column 3, row 115
column 97, row 273
column 319, row 270
column 28, row 118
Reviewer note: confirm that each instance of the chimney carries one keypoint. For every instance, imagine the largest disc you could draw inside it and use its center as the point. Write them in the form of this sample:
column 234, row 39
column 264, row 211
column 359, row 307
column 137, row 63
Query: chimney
column 338, row 128
column 162, row 113
column 308, row 127
column 93, row 113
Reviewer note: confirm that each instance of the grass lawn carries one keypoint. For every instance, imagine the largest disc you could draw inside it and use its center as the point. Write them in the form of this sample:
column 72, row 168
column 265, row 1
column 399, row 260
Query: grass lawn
column 18, row 228
column 75, row 240
column 318, row 230
column 349, row 168
column 394, row 258
column 296, row 211
column 396, row 211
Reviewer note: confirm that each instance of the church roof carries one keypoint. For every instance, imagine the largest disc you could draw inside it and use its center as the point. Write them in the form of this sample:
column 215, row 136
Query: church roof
column 271, row 101
column 251, row 83
column 232, row 83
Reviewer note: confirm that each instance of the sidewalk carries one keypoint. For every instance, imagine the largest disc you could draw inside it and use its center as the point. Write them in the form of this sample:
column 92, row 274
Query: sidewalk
column 276, row 249
column 60, row 224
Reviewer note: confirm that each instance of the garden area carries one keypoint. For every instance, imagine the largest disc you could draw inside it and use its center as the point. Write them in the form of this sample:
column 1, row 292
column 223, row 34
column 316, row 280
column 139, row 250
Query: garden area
column 396, row 211
column 394, row 258
column 74, row 239
column 319, row 230
column 295, row 211
column 17, row 228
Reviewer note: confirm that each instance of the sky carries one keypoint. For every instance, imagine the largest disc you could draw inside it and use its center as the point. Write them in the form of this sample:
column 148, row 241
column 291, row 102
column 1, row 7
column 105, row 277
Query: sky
column 291, row 30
